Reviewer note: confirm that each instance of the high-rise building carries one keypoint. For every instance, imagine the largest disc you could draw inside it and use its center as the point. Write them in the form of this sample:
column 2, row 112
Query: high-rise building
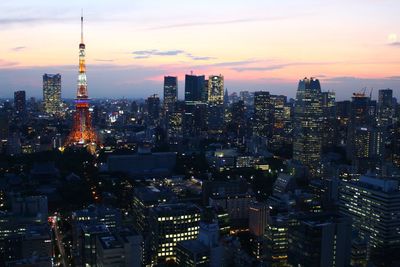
column 153, row 110
column 276, row 236
column 194, row 88
column 258, row 213
column 262, row 120
column 328, row 105
column 82, row 133
column 320, row 240
column 20, row 103
column 215, row 101
column 373, row 203
column 170, row 93
column 175, row 122
column 395, row 147
column 279, row 119
column 385, row 107
column 4, row 126
column 215, row 89
column 368, row 147
column 52, row 93
column 307, row 143
column 365, row 142
column 170, row 224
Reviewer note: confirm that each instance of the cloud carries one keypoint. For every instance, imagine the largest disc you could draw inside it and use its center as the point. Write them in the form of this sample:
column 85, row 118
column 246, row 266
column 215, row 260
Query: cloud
column 6, row 64
column 104, row 60
column 268, row 68
column 218, row 22
column 279, row 66
column 18, row 48
column 395, row 44
column 143, row 54
column 149, row 53
column 198, row 58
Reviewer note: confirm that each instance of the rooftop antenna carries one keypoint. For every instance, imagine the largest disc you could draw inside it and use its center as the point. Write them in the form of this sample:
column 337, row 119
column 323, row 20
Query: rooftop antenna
column 82, row 25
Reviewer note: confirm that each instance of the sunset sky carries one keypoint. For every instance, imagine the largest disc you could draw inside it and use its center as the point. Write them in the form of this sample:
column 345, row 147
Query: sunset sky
column 255, row 44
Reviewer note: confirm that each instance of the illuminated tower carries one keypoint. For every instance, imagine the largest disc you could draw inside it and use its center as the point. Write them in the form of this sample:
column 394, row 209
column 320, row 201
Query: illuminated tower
column 82, row 133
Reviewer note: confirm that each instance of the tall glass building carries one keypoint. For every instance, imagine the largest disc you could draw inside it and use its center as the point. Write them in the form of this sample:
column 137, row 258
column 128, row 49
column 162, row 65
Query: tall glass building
column 170, row 93
column 307, row 141
column 215, row 100
column 52, row 93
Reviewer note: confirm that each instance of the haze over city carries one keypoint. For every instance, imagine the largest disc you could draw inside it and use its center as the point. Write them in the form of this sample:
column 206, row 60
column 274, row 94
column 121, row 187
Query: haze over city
column 256, row 45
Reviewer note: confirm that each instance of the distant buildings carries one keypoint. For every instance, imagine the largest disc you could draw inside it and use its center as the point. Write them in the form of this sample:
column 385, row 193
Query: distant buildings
column 385, row 107
column 153, row 110
column 20, row 103
column 195, row 89
column 52, row 93
column 170, row 93
column 262, row 121
column 215, row 101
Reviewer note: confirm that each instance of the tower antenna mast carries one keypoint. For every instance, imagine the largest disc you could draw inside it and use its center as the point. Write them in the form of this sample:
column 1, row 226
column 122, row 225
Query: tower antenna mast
column 82, row 26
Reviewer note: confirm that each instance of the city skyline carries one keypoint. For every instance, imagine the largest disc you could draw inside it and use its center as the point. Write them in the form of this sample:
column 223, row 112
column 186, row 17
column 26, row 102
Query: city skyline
column 132, row 46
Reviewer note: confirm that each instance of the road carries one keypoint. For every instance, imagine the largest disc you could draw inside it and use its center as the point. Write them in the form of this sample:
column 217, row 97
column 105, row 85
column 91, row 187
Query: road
column 59, row 243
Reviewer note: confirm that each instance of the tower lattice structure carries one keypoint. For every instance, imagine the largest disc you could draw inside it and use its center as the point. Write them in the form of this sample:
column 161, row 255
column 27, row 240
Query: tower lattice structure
column 82, row 133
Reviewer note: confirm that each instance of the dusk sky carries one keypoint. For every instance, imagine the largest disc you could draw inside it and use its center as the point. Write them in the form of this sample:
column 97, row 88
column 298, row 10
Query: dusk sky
column 255, row 44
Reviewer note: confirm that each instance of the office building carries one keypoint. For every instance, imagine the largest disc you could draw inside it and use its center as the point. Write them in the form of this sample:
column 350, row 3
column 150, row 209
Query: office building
column 20, row 103
column 258, row 215
column 170, row 224
column 280, row 119
column 170, row 93
column 307, row 142
column 262, row 120
column 215, row 101
column 52, row 103
column 195, row 88
column 385, row 107
column 320, row 240
column 373, row 203
column 328, row 105
column 122, row 248
column 153, row 110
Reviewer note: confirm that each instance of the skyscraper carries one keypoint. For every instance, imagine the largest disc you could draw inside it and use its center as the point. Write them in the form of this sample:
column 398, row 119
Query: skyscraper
column 170, row 93
column 262, row 114
column 215, row 100
column 153, row 109
column 194, row 119
column 320, row 240
column 194, row 88
column 385, row 107
column 52, row 93
column 373, row 203
column 82, row 133
column 170, row 224
column 329, row 118
column 307, row 118
column 278, row 137
column 20, row 102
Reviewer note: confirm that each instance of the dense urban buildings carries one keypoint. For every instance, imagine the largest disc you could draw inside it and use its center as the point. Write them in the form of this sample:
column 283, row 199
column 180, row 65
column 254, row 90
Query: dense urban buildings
column 219, row 178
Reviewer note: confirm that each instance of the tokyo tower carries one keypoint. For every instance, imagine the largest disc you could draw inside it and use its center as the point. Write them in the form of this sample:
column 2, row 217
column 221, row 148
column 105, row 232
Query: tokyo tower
column 82, row 133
